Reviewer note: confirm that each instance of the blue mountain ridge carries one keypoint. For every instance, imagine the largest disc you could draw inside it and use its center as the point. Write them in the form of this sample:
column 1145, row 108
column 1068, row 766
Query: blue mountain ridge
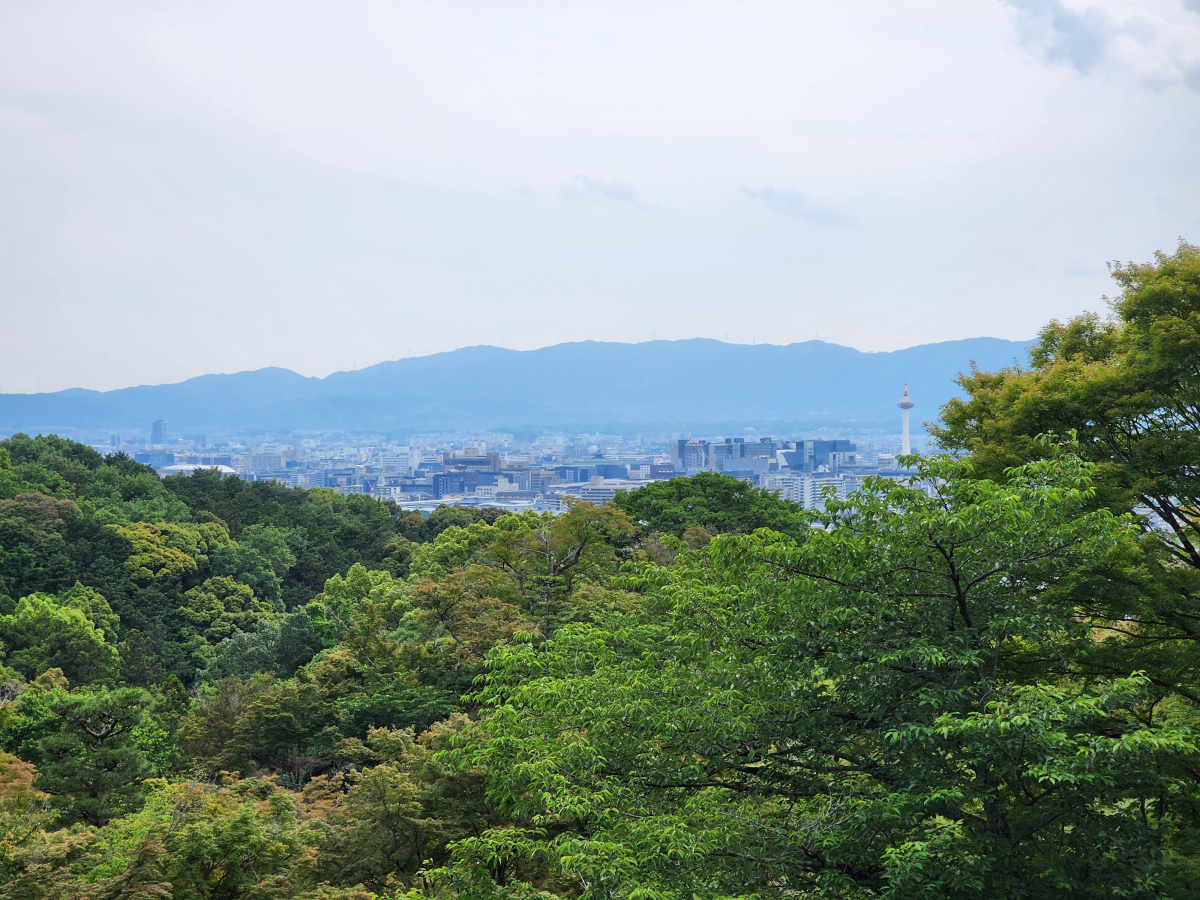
column 588, row 385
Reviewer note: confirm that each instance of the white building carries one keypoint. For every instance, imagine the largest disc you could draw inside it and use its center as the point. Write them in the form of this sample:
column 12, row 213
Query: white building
column 807, row 489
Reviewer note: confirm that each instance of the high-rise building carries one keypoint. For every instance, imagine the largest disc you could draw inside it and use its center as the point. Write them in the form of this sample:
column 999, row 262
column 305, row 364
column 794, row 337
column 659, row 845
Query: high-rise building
column 905, row 442
column 114, row 440
column 158, row 432
column 819, row 455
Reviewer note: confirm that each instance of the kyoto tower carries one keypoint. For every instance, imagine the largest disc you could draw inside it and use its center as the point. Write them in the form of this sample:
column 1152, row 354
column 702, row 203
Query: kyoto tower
column 905, row 404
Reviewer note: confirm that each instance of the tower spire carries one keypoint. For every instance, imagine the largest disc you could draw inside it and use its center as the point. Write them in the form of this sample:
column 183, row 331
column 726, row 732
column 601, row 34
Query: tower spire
column 905, row 404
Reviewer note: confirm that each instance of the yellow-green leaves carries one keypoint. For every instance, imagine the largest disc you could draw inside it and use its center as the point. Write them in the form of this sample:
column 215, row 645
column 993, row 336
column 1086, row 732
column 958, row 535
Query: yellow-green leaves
column 168, row 550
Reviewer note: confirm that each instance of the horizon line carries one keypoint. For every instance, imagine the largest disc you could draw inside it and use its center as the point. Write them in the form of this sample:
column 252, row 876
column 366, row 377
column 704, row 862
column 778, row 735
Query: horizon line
column 469, row 347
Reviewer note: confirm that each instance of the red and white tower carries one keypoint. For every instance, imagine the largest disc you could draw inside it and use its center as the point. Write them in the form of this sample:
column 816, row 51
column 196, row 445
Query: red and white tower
column 905, row 404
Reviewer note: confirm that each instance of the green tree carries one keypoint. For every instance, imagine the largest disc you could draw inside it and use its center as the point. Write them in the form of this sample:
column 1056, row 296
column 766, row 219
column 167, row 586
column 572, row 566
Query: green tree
column 233, row 847
column 548, row 557
column 421, row 529
column 891, row 708
column 221, row 606
column 189, row 841
column 382, row 824
column 42, row 634
column 1128, row 385
column 326, row 532
column 720, row 504
column 361, row 592
column 244, row 654
column 92, row 764
column 37, row 534
column 92, row 604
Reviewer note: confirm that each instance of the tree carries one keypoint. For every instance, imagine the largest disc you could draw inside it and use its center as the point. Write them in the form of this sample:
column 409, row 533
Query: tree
column 892, row 708
column 243, row 654
column 161, row 551
column 467, row 614
column 92, row 604
column 93, row 765
column 1129, row 386
column 379, row 825
column 720, row 504
column 547, row 557
column 35, row 543
column 421, row 529
column 222, row 606
column 44, row 634
column 190, row 841
column 373, row 595
column 326, row 532
column 231, row 846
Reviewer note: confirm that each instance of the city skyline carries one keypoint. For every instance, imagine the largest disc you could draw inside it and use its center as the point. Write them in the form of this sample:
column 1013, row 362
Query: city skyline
column 540, row 471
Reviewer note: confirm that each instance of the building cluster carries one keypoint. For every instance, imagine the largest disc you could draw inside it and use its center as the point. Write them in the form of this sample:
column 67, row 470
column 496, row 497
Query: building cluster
column 804, row 471
column 525, row 471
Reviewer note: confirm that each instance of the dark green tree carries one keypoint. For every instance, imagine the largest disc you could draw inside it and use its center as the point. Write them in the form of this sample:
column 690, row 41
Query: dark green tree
column 94, row 762
column 717, row 503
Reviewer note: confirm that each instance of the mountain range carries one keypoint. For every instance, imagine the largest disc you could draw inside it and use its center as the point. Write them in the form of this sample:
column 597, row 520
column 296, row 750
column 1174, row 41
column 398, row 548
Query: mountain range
column 589, row 385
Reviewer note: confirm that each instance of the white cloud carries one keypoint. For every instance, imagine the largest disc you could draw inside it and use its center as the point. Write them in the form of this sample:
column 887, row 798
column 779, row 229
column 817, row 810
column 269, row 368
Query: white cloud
column 1079, row 37
column 1156, row 41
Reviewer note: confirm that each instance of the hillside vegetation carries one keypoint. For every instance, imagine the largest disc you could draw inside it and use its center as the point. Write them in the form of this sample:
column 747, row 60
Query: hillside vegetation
column 979, row 684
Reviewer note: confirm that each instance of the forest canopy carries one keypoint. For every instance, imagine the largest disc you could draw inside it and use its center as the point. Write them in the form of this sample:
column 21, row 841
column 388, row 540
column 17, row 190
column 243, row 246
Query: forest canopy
column 977, row 681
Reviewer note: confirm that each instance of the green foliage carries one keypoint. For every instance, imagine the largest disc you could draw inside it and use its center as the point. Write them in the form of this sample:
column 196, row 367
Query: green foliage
column 1128, row 386
column 93, row 605
column 548, row 557
column 71, row 517
column 217, row 609
column 189, row 841
column 344, row 599
column 385, row 822
column 888, row 709
column 243, row 654
column 96, row 757
column 324, row 532
column 420, row 529
column 979, row 684
column 523, row 567
column 719, row 504
column 45, row 633
column 396, row 702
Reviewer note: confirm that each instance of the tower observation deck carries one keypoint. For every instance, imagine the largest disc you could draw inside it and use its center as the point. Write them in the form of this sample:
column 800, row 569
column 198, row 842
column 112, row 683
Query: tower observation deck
column 905, row 404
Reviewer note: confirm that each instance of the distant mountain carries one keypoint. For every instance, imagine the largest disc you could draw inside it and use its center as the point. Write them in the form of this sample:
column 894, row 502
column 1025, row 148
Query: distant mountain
column 659, row 385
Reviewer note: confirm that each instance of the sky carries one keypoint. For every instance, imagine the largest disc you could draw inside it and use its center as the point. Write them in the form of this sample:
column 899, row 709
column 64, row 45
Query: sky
column 192, row 187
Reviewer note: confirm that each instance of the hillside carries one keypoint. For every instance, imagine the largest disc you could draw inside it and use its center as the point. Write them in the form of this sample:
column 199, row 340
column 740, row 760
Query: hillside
column 587, row 385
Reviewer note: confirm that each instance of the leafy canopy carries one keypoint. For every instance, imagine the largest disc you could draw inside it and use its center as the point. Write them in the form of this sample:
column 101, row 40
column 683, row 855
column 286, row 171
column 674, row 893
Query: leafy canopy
column 890, row 708
column 1129, row 386
column 717, row 503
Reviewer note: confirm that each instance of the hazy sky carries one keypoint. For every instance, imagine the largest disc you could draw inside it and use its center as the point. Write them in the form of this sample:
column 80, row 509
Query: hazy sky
column 202, row 186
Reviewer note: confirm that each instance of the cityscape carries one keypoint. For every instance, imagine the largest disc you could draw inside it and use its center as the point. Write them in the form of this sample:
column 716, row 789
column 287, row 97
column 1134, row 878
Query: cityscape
column 524, row 470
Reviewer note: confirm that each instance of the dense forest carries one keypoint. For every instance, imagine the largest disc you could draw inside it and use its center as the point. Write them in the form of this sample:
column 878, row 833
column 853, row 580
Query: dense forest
column 983, row 682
